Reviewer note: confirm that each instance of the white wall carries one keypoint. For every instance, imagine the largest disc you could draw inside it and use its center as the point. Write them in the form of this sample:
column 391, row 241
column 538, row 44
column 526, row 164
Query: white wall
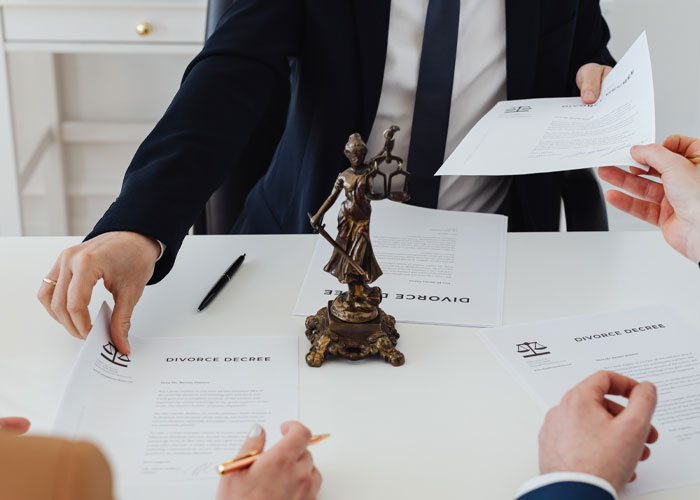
column 674, row 42
column 672, row 29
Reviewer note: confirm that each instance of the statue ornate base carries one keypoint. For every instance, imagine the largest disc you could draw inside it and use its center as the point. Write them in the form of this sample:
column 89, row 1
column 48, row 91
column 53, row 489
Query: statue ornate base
column 331, row 336
column 353, row 326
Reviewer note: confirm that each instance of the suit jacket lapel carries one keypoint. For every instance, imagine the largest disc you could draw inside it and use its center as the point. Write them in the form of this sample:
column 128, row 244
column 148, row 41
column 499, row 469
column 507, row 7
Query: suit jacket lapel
column 372, row 28
column 522, row 36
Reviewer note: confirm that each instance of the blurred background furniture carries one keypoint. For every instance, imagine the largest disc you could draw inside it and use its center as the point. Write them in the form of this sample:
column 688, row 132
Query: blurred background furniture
column 75, row 75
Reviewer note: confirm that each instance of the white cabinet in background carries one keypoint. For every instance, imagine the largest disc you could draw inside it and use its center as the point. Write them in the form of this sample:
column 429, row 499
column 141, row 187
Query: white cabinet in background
column 40, row 131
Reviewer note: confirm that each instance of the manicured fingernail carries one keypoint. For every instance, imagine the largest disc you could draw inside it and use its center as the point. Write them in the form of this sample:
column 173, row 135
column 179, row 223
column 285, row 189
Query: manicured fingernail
column 255, row 431
column 589, row 95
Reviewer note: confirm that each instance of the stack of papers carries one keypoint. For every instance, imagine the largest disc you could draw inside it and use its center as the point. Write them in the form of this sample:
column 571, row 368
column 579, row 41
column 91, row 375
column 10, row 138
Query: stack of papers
column 440, row 267
column 168, row 414
column 652, row 344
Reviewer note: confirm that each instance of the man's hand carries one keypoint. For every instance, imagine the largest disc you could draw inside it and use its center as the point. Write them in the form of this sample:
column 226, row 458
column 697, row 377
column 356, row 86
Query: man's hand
column 124, row 260
column 591, row 434
column 674, row 204
column 284, row 472
column 14, row 425
column 590, row 79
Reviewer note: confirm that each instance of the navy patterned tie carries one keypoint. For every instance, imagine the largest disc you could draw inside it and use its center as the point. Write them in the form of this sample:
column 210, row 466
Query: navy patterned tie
column 431, row 113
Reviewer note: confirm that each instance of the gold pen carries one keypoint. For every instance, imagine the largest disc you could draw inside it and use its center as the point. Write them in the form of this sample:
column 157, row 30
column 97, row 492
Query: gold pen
column 248, row 459
column 694, row 158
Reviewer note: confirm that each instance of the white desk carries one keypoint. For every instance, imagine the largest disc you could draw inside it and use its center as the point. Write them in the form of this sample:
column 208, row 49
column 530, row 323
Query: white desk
column 450, row 423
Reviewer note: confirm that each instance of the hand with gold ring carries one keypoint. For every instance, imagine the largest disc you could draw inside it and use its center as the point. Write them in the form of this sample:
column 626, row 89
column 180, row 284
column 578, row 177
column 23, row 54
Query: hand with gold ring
column 672, row 204
column 124, row 260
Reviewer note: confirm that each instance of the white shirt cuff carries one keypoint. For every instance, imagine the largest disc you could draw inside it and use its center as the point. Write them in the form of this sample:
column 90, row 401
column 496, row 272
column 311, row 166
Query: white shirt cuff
column 162, row 249
column 560, row 477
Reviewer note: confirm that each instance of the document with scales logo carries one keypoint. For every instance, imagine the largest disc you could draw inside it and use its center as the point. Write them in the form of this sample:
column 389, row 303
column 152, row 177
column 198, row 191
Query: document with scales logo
column 548, row 135
column 654, row 344
column 174, row 408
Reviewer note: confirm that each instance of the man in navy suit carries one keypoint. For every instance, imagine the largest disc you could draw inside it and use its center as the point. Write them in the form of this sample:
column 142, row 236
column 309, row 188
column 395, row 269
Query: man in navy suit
column 279, row 87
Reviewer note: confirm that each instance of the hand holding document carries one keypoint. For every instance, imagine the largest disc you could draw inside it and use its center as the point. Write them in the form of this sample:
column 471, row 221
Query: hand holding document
column 176, row 407
column 589, row 433
column 651, row 344
column 548, row 135
column 439, row 267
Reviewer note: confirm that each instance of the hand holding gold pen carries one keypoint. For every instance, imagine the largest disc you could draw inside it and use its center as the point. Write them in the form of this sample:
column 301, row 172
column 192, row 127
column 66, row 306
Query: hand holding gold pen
column 247, row 459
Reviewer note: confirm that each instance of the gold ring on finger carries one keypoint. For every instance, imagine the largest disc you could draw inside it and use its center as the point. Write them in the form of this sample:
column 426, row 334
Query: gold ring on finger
column 49, row 281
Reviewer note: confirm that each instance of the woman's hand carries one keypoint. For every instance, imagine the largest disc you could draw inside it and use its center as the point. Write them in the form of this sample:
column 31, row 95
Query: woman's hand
column 284, row 472
column 674, row 204
column 124, row 260
column 14, row 425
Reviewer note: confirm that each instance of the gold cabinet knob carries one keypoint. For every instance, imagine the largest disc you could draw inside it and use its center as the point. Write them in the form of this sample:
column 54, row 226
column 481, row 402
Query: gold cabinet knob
column 144, row 29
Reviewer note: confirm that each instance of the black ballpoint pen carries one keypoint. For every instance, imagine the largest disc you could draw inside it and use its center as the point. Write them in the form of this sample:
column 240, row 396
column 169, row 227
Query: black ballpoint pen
column 225, row 278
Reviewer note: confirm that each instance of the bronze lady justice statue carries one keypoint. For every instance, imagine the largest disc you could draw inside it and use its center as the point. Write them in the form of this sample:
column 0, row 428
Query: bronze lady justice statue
column 353, row 325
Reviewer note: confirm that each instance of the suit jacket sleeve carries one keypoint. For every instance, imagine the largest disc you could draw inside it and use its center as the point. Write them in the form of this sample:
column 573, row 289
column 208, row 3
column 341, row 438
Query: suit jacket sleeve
column 243, row 66
column 570, row 490
column 590, row 40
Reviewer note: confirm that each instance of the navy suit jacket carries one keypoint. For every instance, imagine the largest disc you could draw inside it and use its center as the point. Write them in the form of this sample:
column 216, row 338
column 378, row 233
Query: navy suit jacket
column 241, row 109
column 568, row 490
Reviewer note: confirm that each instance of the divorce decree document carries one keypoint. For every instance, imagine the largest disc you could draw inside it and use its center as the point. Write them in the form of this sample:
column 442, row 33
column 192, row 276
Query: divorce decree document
column 439, row 267
column 548, row 135
column 167, row 414
column 653, row 344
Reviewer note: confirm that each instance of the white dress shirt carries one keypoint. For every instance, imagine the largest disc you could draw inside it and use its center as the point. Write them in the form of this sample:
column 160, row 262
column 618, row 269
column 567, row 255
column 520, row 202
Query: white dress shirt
column 479, row 83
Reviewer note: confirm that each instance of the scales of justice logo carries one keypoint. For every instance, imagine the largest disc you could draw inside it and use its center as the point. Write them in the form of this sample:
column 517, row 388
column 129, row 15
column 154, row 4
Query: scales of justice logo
column 532, row 349
column 114, row 356
column 519, row 109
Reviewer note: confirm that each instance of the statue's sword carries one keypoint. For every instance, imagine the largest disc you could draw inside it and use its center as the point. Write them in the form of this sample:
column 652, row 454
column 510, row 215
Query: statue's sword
column 320, row 229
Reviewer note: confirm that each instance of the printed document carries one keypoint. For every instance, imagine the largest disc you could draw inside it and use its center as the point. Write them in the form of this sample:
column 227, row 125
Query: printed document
column 548, row 135
column 167, row 414
column 440, row 267
column 652, row 344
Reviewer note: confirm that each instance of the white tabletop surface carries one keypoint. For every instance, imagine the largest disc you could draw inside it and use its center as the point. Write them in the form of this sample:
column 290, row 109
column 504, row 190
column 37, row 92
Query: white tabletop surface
column 450, row 423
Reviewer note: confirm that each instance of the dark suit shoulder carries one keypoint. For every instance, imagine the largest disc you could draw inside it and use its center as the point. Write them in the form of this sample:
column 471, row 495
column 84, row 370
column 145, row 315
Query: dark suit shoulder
column 570, row 490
